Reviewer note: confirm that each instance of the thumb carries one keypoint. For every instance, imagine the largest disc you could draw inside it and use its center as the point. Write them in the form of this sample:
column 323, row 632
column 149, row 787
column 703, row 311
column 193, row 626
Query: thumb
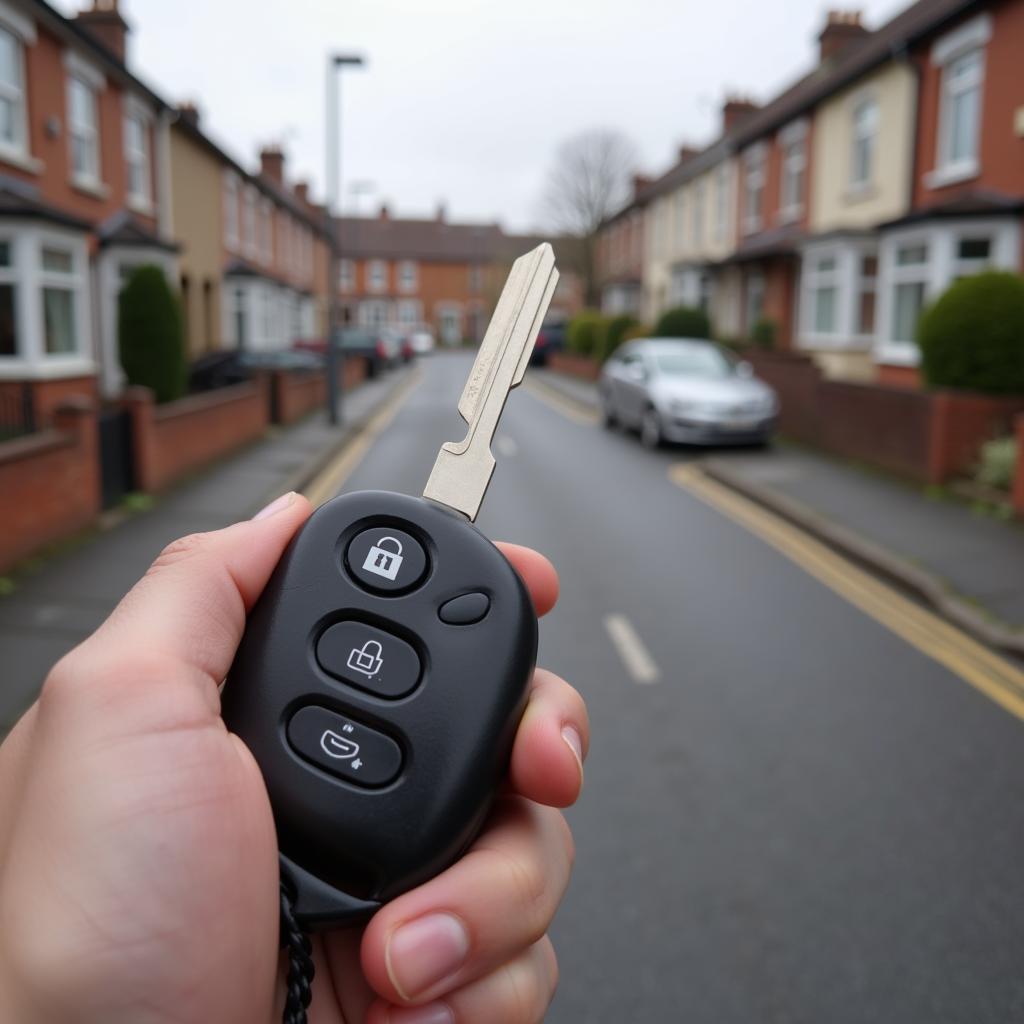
column 190, row 607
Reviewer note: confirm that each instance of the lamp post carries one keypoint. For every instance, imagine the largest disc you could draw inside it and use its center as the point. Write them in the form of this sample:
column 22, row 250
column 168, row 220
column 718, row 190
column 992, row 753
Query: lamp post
column 335, row 62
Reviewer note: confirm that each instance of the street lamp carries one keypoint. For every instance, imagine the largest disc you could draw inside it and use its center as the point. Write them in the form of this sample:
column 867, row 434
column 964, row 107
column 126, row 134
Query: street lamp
column 335, row 62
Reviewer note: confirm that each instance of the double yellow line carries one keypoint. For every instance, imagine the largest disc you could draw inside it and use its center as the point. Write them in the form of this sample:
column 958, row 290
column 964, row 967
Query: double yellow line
column 988, row 673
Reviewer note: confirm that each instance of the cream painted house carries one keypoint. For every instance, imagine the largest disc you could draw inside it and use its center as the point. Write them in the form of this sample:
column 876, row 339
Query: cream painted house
column 690, row 228
column 861, row 166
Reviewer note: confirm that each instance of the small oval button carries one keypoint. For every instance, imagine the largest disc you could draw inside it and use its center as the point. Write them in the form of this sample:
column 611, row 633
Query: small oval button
column 343, row 747
column 368, row 658
column 465, row 609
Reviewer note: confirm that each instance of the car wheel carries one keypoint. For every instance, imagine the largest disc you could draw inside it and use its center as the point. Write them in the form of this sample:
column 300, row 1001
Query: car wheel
column 608, row 417
column 650, row 429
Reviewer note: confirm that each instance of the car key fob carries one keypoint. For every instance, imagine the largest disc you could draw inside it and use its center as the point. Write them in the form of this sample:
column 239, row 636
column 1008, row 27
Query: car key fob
column 384, row 669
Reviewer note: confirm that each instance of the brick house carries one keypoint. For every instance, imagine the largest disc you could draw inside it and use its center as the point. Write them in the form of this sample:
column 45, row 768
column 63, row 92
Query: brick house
column 84, row 195
column 407, row 273
column 619, row 256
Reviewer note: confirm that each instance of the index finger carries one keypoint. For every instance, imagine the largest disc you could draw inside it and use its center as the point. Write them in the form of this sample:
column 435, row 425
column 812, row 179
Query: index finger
column 537, row 573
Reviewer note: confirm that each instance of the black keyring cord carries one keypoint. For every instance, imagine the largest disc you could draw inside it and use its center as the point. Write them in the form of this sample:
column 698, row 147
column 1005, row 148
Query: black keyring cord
column 300, row 963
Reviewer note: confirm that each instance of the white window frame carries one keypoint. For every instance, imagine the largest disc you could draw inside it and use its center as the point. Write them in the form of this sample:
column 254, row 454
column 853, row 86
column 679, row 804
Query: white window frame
column 722, row 181
column 749, row 321
column 250, row 236
column 141, row 202
column 377, row 276
column 943, row 266
column 346, row 276
column 232, row 211
column 16, row 150
column 373, row 313
column 865, row 134
column 409, row 312
column 793, row 166
column 88, row 178
column 849, row 281
column 754, row 181
column 970, row 38
column 27, row 241
column 408, row 276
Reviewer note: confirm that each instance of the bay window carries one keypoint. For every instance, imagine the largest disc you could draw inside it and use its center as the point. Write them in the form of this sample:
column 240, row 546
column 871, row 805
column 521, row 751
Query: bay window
column 837, row 298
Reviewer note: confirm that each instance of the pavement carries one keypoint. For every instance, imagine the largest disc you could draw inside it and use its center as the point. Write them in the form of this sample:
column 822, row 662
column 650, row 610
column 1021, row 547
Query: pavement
column 794, row 812
column 964, row 563
column 58, row 603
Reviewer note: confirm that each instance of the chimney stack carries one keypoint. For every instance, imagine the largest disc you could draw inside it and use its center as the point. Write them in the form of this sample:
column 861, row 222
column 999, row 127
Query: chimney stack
column 442, row 212
column 841, row 29
column 385, row 213
column 687, row 152
column 189, row 113
column 104, row 23
column 302, row 192
column 735, row 109
column 272, row 164
column 640, row 181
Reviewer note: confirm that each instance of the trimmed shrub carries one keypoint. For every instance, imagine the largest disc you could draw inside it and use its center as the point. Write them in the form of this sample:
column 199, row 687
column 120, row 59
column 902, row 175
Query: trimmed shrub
column 998, row 462
column 637, row 331
column 150, row 341
column 614, row 333
column 765, row 333
column 683, row 322
column 584, row 333
column 972, row 336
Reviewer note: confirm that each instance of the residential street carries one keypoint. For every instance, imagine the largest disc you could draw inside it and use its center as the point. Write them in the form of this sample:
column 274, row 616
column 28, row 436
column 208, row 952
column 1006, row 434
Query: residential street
column 804, row 818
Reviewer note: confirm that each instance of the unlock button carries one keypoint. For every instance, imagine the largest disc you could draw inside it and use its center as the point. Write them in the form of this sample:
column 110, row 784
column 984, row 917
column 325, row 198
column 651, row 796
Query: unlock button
column 368, row 658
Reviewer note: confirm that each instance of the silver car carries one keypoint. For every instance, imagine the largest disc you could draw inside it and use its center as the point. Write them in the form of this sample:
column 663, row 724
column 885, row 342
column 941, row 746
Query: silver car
column 687, row 390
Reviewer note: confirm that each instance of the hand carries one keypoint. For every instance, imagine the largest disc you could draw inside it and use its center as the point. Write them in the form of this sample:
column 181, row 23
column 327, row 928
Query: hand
column 138, row 860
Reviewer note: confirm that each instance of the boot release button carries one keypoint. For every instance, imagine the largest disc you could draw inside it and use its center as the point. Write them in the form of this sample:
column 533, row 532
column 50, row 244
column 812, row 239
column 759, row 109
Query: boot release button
column 368, row 658
column 344, row 747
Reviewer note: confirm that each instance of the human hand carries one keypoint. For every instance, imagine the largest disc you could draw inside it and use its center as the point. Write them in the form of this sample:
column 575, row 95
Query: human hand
column 138, row 859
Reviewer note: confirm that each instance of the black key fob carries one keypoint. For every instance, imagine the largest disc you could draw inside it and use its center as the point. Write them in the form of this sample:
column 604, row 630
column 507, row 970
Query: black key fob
column 379, row 686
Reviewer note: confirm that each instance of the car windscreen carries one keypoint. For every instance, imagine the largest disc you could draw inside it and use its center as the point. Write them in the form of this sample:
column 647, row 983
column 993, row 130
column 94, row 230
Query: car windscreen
column 695, row 360
column 356, row 339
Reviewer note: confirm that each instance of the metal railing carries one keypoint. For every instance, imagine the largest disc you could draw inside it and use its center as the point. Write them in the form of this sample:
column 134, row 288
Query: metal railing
column 17, row 413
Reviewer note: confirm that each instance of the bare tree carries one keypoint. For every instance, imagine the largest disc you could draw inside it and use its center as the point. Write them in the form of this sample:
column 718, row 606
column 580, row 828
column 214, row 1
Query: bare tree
column 588, row 181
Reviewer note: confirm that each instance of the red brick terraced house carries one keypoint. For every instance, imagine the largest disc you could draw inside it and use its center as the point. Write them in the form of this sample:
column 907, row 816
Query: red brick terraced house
column 619, row 260
column 83, row 195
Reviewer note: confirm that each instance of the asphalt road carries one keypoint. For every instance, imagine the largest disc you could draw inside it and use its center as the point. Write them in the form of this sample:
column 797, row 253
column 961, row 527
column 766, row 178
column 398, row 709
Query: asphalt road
column 803, row 818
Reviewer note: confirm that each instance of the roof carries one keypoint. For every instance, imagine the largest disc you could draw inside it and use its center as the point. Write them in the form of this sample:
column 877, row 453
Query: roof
column 852, row 62
column 778, row 241
column 123, row 229
column 237, row 267
column 974, row 203
column 18, row 200
column 428, row 240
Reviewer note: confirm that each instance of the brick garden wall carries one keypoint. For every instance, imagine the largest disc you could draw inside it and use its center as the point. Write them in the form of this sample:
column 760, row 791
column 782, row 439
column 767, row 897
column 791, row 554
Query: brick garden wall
column 180, row 437
column 48, row 395
column 49, row 482
column 294, row 393
column 574, row 365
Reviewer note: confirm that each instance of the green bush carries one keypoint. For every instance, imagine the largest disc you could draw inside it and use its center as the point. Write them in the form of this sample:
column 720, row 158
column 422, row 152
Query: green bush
column 998, row 461
column 585, row 332
column 683, row 322
column 615, row 333
column 765, row 333
column 149, row 334
column 637, row 331
column 972, row 336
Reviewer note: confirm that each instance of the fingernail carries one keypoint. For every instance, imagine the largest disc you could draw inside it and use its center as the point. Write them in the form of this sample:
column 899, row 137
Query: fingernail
column 432, row 1013
column 571, row 736
column 277, row 505
column 423, row 952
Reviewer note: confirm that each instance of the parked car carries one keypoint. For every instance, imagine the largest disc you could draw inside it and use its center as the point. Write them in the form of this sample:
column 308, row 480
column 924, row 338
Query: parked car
column 233, row 366
column 550, row 338
column 422, row 342
column 687, row 390
column 360, row 341
column 393, row 340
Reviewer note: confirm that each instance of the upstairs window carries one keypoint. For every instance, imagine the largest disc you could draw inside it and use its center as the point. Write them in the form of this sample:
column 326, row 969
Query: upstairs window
column 249, row 220
column 83, row 132
column 793, row 141
column 12, row 95
column 407, row 276
column 378, row 276
column 698, row 214
column 346, row 275
column 753, row 189
column 864, row 135
column 960, row 118
column 230, row 211
column 680, row 220
column 721, row 202
column 136, row 156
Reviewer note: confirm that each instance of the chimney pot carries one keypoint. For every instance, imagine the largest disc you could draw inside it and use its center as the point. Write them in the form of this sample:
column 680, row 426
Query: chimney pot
column 272, row 163
column 302, row 191
column 188, row 111
column 735, row 109
column 841, row 29
column 385, row 213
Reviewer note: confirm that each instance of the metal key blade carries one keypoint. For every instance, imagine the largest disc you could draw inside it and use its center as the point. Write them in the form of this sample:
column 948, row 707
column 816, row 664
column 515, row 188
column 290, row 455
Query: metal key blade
column 463, row 469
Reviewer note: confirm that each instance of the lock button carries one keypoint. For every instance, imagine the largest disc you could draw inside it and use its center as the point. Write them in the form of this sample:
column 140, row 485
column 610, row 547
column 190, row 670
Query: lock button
column 369, row 658
column 386, row 560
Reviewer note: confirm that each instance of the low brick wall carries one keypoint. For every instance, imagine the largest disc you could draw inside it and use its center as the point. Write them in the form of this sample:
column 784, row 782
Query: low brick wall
column 294, row 393
column 49, row 395
column 172, row 440
column 49, row 482
column 1018, row 475
column 574, row 365
column 930, row 436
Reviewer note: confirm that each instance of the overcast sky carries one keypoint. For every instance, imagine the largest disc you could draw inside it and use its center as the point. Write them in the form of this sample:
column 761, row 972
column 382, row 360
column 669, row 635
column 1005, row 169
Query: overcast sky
column 465, row 102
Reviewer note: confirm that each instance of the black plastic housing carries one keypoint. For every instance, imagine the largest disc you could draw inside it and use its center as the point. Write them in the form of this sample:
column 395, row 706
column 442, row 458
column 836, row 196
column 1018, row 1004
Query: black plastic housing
column 344, row 848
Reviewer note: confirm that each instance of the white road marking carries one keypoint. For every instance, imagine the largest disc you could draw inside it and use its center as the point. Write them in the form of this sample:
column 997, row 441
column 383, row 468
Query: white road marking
column 506, row 446
column 630, row 647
